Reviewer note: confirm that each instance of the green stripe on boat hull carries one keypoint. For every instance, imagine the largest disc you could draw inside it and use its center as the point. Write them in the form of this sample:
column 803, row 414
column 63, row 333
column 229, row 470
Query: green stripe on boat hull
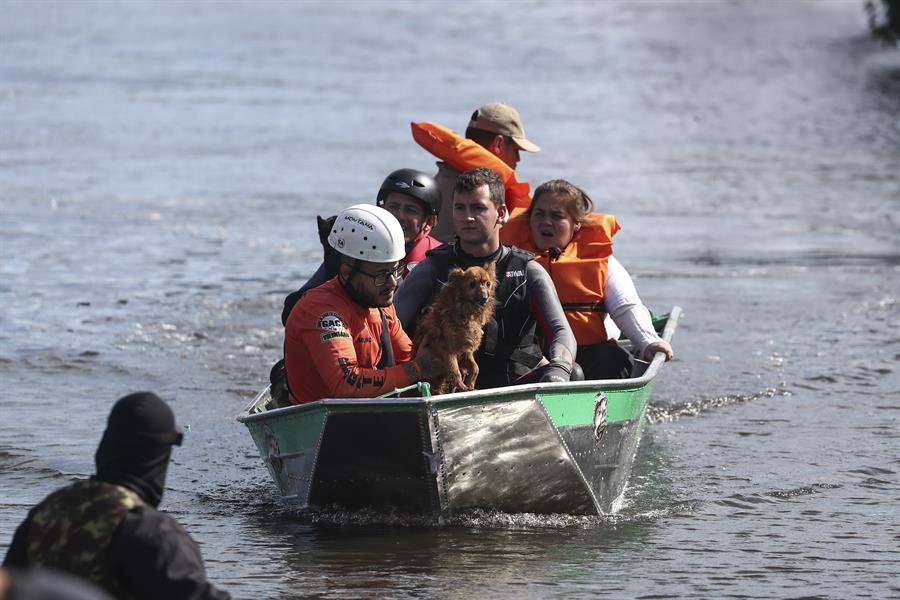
column 540, row 448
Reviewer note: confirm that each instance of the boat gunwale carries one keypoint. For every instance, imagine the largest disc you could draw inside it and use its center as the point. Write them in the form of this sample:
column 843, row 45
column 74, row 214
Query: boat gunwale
column 494, row 394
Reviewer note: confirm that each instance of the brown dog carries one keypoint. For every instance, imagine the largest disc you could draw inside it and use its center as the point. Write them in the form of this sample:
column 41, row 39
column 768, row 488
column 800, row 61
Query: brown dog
column 453, row 327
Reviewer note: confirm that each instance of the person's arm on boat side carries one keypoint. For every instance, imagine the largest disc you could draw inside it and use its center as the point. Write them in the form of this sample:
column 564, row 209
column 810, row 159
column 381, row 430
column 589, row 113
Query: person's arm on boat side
column 343, row 376
column 317, row 279
column 420, row 368
column 629, row 314
column 338, row 366
column 561, row 345
column 157, row 558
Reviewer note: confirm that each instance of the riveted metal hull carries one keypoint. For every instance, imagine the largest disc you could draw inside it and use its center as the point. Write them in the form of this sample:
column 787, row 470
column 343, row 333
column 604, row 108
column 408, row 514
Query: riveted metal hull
column 539, row 448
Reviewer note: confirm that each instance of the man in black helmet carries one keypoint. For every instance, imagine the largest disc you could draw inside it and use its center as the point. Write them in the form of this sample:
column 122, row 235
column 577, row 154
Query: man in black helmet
column 106, row 529
column 413, row 198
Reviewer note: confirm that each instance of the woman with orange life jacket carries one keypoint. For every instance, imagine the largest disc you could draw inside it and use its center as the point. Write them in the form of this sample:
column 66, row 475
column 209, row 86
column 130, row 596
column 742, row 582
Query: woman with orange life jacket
column 575, row 246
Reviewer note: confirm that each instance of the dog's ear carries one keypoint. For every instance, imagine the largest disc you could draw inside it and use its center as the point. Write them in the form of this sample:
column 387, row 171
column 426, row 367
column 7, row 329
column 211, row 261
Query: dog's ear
column 487, row 276
column 455, row 287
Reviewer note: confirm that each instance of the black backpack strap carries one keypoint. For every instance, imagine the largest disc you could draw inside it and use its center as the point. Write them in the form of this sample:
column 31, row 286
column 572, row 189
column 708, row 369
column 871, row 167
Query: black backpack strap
column 387, row 350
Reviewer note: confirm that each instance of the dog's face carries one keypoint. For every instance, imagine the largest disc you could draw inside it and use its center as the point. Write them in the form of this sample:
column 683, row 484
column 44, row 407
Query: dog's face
column 475, row 285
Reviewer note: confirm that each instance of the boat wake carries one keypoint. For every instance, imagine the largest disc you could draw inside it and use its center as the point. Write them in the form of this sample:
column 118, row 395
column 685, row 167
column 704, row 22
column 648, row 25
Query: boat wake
column 658, row 412
column 474, row 519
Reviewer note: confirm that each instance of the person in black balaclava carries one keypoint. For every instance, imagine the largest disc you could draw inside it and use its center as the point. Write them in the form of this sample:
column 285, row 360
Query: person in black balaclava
column 137, row 444
column 106, row 529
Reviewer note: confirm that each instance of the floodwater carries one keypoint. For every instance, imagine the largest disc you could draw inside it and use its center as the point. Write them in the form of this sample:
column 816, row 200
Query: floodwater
column 160, row 167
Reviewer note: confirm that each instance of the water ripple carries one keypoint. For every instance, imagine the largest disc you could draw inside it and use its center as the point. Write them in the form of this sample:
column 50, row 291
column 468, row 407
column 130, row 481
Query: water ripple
column 671, row 411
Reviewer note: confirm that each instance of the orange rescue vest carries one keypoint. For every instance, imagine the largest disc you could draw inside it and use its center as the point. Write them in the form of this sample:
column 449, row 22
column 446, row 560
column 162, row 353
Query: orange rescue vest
column 579, row 273
column 464, row 155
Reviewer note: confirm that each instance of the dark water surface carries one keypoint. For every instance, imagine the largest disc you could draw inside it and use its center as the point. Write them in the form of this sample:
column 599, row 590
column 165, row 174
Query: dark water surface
column 160, row 167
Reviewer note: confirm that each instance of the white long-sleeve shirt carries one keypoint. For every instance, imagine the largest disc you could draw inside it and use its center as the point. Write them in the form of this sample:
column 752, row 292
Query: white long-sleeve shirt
column 625, row 311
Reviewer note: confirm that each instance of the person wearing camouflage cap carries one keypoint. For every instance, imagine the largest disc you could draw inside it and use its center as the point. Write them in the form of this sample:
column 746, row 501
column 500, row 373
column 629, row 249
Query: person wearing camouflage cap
column 106, row 529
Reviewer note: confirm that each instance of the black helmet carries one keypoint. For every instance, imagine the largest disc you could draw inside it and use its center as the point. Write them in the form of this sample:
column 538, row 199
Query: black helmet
column 412, row 183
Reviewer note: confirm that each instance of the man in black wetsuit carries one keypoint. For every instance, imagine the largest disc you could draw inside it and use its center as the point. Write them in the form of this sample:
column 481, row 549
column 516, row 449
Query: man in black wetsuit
column 525, row 297
column 106, row 529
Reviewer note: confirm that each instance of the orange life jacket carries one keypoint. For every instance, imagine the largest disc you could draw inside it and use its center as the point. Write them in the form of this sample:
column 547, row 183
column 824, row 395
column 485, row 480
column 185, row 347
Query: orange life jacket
column 464, row 155
column 579, row 273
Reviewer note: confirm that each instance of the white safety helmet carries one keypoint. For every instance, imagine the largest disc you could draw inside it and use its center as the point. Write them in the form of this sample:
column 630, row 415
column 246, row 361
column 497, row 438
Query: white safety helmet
column 368, row 233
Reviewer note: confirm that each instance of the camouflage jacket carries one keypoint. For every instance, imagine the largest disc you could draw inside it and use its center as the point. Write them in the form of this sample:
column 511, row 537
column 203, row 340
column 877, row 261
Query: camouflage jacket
column 72, row 530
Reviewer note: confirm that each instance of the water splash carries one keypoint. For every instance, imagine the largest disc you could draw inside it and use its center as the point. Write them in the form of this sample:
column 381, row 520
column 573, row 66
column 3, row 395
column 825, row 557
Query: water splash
column 664, row 413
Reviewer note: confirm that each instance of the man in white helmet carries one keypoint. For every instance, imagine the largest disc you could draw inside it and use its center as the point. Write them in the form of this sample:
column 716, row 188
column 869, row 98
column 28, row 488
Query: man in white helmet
column 343, row 338
column 409, row 195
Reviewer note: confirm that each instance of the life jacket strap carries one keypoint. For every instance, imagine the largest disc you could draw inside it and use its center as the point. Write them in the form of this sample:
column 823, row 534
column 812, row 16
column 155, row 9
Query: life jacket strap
column 588, row 307
column 387, row 350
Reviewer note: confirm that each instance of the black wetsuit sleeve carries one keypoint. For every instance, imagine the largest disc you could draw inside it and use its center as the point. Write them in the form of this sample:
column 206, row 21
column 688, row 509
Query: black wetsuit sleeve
column 545, row 306
column 17, row 555
column 317, row 279
column 156, row 558
column 414, row 294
